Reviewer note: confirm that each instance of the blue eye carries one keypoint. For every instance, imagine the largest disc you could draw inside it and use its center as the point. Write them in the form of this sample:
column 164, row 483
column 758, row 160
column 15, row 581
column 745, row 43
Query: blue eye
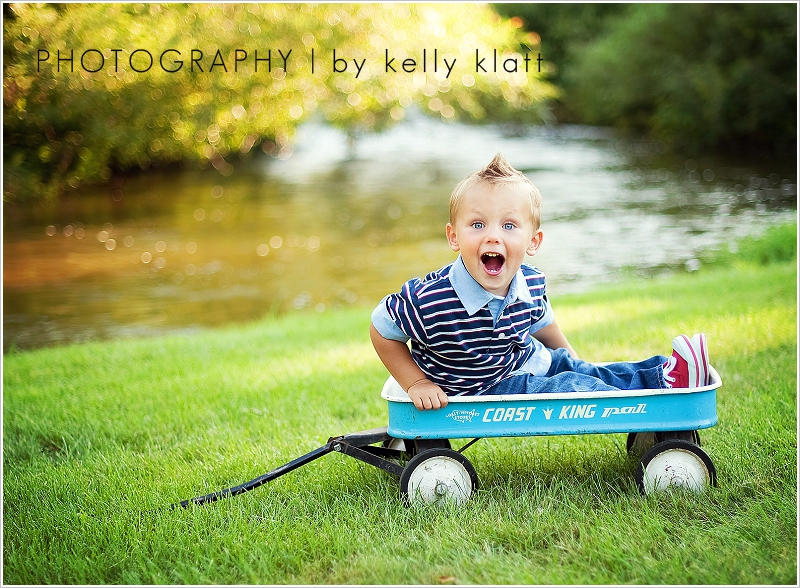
column 477, row 225
column 508, row 226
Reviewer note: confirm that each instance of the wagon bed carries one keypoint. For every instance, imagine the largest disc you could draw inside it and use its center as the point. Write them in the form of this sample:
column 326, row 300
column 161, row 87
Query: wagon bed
column 571, row 413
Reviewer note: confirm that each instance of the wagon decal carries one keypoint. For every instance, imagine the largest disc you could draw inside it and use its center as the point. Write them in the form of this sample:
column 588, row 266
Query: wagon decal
column 638, row 409
column 588, row 411
column 567, row 412
column 510, row 413
column 463, row 416
column 495, row 415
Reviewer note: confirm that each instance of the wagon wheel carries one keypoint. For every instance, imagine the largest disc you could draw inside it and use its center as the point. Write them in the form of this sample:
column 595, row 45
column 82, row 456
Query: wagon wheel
column 638, row 443
column 415, row 446
column 675, row 463
column 438, row 476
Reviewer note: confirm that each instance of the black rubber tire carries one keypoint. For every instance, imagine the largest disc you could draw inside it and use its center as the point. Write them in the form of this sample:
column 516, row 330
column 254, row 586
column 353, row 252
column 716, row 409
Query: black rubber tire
column 417, row 464
column 682, row 450
column 640, row 442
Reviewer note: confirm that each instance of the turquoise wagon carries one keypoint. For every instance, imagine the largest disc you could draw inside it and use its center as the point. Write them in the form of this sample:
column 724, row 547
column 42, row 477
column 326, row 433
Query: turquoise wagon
column 662, row 428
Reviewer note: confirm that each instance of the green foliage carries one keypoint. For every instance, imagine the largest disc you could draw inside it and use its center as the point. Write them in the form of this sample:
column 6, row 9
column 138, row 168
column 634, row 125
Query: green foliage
column 564, row 29
column 698, row 75
column 694, row 76
column 62, row 128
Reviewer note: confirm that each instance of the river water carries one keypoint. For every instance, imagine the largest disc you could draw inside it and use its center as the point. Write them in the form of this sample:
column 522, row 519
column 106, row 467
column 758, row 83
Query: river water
column 335, row 223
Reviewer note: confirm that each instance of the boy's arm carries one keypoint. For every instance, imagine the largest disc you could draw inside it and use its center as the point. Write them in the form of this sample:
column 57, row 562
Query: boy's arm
column 396, row 356
column 552, row 337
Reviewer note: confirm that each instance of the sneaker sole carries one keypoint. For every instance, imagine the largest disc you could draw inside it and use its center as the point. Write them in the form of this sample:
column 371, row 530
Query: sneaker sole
column 699, row 341
column 684, row 347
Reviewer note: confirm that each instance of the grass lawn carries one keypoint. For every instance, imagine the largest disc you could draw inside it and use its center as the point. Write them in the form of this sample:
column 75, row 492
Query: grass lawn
column 97, row 436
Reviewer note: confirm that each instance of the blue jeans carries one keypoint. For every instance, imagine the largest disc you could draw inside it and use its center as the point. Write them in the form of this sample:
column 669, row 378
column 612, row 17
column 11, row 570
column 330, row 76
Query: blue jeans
column 575, row 375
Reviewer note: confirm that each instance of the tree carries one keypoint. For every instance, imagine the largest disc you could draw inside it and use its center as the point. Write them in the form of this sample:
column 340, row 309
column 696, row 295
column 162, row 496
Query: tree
column 76, row 109
column 694, row 76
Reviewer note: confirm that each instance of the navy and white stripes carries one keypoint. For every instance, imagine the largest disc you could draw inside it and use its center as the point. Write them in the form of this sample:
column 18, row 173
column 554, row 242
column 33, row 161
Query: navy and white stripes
column 464, row 353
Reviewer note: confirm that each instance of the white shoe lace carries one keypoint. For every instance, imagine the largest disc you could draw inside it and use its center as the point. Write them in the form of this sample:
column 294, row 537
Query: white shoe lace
column 668, row 367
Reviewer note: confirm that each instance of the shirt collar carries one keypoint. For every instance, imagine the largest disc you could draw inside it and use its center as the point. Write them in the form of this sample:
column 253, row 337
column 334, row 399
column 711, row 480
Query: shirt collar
column 474, row 297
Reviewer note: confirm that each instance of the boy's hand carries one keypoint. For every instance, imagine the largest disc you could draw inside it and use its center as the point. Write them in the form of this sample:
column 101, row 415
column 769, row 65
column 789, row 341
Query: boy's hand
column 396, row 356
column 427, row 395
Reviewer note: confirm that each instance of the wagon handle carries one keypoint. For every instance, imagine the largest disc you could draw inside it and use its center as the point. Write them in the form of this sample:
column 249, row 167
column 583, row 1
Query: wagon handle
column 353, row 444
column 256, row 482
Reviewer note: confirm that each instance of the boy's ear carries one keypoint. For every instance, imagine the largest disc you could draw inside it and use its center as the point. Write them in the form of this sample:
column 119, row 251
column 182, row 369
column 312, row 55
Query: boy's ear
column 536, row 242
column 451, row 237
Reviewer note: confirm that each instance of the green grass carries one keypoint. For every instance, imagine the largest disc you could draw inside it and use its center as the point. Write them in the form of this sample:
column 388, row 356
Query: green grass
column 97, row 436
column 777, row 244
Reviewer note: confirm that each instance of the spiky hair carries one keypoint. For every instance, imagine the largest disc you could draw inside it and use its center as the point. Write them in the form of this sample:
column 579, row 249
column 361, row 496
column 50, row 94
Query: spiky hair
column 498, row 172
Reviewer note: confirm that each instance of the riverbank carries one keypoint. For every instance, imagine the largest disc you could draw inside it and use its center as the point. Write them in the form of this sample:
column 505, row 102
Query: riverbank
column 96, row 435
column 338, row 226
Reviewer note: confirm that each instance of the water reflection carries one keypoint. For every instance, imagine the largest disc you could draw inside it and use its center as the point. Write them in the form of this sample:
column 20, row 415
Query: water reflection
column 338, row 224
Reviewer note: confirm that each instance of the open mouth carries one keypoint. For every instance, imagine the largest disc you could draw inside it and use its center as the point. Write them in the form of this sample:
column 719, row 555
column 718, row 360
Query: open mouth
column 493, row 263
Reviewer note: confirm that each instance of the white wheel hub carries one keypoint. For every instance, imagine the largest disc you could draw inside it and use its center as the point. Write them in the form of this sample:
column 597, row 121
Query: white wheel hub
column 438, row 480
column 677, row 468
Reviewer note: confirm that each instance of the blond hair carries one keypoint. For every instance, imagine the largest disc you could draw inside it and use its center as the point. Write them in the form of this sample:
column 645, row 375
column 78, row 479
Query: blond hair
column 498, row 172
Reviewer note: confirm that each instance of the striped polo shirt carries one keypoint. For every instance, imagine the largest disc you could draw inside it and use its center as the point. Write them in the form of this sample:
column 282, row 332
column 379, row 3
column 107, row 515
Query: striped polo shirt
column 464, row 338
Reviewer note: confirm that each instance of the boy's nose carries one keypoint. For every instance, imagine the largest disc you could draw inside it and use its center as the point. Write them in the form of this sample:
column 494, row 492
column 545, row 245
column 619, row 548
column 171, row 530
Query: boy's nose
column 492, row 236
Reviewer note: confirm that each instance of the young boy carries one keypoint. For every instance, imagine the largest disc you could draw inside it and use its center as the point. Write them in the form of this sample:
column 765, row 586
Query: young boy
column 483, row 324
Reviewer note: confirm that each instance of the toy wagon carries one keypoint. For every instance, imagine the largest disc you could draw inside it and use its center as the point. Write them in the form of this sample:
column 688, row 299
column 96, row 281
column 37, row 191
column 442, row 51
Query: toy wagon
column 662, row 427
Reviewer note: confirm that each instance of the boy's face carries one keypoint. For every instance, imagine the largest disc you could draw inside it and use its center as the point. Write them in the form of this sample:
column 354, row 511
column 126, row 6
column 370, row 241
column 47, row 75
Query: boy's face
column 493, row 230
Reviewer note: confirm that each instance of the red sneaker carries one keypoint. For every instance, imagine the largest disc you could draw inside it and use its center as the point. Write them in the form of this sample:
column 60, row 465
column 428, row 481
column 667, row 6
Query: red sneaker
column 688, row 366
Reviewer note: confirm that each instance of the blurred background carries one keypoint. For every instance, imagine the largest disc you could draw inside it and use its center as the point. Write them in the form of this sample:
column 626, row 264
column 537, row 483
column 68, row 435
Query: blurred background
column 137, row 204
